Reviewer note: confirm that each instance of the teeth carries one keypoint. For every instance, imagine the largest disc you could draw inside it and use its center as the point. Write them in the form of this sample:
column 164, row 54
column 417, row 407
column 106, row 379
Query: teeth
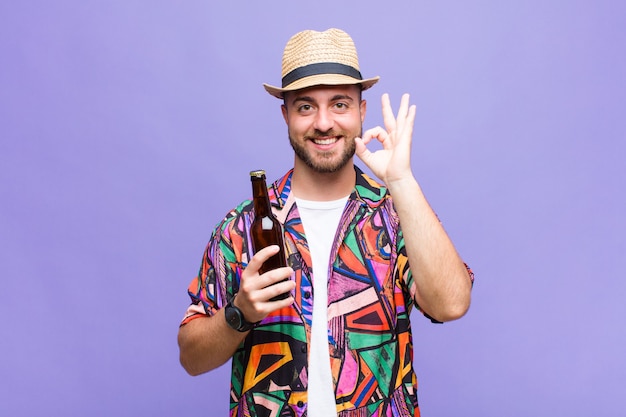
column 325, row 141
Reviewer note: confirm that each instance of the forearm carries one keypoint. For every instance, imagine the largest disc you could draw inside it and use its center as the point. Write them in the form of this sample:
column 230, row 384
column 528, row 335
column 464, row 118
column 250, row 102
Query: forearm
column 207, row 343
column 442, row 281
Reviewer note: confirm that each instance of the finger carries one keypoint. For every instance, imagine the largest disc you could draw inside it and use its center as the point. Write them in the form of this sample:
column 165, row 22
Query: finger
column 261, row 256
column 280, row 303
column 277, row 289
column 261, row 304
column 277, row 275
column 404, row 108
column 253, row 287
column 411, row 116
column 405, row 130
column 406, row 127
column 388, row 118
column 361, row 150
column 259, row 310
column 376, row 132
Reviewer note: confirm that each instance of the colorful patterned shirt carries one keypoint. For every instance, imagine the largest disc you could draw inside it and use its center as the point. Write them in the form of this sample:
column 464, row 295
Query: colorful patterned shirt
column 370, row 297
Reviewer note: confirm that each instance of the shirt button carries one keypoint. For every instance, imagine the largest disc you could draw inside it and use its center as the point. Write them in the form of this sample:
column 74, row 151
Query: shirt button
column 300, row 404
column 307, row 295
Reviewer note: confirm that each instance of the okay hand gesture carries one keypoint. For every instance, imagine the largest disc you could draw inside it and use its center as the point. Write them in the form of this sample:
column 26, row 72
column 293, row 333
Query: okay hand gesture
column 393, row 162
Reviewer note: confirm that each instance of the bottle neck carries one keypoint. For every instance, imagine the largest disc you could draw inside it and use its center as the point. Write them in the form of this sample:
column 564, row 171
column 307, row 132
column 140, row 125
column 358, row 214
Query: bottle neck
column 262, row 205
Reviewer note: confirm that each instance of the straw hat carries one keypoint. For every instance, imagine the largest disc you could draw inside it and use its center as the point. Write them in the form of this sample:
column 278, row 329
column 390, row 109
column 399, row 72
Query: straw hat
column 319, row 58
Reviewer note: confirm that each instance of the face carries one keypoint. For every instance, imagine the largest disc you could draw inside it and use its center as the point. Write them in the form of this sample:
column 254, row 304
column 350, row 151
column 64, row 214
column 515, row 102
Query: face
column 322, row 122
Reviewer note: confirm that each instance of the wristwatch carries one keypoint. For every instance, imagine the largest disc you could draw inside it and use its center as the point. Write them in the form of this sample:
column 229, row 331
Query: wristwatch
column 235, row 318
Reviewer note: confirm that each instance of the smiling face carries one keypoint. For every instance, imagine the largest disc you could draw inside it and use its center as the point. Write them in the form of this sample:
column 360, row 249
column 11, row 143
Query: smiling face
column 322, row 122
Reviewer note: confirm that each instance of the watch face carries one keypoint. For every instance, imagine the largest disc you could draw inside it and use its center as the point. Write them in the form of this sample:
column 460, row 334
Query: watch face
column 233, row 318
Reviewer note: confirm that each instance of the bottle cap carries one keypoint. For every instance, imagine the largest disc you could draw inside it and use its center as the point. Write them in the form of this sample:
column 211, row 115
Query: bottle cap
column 258, row 173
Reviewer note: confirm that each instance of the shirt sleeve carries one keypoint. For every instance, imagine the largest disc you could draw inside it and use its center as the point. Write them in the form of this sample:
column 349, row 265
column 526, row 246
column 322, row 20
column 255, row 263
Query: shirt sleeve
column 222, row 262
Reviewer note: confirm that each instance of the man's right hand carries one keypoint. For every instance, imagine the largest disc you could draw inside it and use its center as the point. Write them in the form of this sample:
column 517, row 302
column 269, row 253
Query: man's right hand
column 256, row 291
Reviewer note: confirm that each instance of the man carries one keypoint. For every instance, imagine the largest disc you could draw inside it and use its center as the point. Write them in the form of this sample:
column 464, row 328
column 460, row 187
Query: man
column 341, row 343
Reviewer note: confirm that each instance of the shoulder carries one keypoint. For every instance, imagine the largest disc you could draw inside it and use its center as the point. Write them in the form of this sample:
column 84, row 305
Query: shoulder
column 234, row 217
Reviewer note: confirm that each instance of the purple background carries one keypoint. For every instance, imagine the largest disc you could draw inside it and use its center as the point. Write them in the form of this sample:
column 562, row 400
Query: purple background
column 128, row 130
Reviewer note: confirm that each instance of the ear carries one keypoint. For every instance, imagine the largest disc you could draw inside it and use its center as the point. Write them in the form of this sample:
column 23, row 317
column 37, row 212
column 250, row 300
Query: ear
column 363, row 106
column 283, row 108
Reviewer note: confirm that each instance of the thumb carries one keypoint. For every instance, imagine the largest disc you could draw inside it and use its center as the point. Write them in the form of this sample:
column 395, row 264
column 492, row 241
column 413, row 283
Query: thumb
column 361, row 150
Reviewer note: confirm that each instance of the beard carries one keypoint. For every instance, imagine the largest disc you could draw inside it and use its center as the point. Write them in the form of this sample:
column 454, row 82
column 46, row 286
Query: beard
column 324, row 162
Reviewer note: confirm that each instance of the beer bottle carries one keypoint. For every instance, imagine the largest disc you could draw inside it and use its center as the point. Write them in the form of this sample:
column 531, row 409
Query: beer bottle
column 266, row 230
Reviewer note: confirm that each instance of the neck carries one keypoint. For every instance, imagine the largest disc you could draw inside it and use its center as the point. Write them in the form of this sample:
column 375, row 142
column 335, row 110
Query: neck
column 311, row 185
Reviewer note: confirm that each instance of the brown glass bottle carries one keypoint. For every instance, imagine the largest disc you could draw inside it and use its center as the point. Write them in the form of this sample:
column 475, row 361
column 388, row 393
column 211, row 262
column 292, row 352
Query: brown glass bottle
column 266, row 230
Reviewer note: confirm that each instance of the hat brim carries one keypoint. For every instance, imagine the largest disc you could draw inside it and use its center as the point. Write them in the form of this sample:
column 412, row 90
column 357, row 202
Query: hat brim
column 320, row 79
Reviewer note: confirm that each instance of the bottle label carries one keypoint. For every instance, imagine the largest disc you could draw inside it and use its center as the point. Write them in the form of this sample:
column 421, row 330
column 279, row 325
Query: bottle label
column 266, row 223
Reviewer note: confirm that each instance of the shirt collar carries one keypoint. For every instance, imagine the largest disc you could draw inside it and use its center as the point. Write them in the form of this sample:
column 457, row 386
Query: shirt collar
column 366, row 190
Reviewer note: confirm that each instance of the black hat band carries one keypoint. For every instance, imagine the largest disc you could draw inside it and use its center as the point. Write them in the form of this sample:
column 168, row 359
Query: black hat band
column 321, row 68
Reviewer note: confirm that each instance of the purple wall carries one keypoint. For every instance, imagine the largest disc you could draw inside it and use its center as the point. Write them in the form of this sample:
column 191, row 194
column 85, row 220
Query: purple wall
column 116, row 122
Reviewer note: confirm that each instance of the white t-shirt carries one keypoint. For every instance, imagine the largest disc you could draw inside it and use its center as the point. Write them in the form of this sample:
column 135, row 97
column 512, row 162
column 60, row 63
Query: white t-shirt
column 320, row 220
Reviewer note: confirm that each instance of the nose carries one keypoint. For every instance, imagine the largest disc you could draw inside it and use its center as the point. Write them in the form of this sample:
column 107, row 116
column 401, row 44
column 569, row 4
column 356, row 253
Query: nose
column 323, row 120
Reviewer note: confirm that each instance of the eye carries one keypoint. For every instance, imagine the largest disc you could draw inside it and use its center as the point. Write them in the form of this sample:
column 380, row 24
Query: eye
column 304, row 108
column 341, row 106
